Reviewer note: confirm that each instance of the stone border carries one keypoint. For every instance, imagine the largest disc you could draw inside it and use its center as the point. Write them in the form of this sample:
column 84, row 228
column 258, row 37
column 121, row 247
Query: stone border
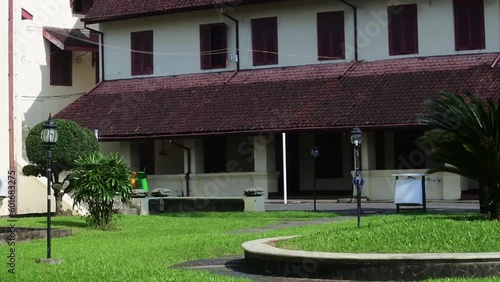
column 262, row 255
column 27, row 234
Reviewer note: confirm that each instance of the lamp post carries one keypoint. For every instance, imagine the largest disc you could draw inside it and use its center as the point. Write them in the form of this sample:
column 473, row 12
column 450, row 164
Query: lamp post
column 49, row 138
column 314, row 154
column 356, row 142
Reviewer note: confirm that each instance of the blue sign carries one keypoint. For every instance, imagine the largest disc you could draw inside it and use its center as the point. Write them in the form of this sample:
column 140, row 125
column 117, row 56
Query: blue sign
column 360, row 179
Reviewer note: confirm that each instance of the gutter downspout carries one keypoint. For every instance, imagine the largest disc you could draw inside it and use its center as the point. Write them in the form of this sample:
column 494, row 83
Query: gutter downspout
column 12, row 161
column 355, row 11
column 189, row 163
column 237, row 24
column 101, row 50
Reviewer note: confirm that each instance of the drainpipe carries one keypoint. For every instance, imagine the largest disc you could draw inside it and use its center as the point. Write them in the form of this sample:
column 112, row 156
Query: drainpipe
column 237, row 24
column 355, row 12
column 101, row 50
column 12, row 161
column 189, row 163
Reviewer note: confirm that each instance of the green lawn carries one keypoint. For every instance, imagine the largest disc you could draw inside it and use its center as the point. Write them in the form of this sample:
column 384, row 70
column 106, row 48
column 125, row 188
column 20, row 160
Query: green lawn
column 143, row 248
column 425, row 233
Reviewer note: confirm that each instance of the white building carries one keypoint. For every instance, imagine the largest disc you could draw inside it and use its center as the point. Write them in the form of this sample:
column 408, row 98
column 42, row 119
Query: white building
column 51, row 60
column 226, row 80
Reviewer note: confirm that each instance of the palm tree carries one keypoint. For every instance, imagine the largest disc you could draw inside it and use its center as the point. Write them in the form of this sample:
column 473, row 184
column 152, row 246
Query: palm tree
column 465, row 133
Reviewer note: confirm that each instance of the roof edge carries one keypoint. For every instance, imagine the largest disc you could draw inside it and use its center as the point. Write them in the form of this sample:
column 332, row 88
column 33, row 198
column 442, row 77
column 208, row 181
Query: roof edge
column 110, row 138
column 94, row 20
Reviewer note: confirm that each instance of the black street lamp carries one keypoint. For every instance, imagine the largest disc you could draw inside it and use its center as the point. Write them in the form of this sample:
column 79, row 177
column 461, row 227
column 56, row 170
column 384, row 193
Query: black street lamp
column 315, row 155
column 49, row 138
column 356, row 142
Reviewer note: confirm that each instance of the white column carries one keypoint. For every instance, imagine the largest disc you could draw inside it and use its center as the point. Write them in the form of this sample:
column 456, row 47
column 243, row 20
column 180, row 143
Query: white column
column 368, row 151
column 264, row 163
column 196, row 146
column 197, row 165
column 285, row 188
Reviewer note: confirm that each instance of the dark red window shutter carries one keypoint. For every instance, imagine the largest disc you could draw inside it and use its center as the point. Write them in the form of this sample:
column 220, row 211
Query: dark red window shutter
column 205, row 47
column 213, row 46
column 219, row 46
column 331, row 35
column 403, row 29
column 142, row 52
column 265, row 41
column 60, row 67
column 147, row 55
column 136, row 39
column 410, row 28
column 469, row 24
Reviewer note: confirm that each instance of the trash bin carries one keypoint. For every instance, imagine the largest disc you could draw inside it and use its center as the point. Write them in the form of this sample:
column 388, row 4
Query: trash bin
column 142, row 182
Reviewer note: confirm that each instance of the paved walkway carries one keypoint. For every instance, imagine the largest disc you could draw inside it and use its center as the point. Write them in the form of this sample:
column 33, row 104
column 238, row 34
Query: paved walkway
column 234, row 266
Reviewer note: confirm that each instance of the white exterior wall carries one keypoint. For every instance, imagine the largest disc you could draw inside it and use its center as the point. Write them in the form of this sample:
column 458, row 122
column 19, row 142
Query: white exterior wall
column 4, row 98
column 436, row 30
column 4, row 89
column 177, row 46
column 34, row 98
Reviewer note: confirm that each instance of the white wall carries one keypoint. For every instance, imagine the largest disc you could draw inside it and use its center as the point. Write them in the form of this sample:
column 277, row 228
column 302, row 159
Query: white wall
column 176, row 36
column 177, row 46
column 34, row 97
column 4, row 90
column 169, row 159
column 436, row 31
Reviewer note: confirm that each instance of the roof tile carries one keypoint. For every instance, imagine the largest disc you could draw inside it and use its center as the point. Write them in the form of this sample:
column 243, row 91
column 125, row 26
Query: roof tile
column 380, row 93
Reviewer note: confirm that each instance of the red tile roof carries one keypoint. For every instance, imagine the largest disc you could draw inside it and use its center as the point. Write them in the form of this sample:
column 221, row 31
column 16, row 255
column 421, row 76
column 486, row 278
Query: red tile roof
column 388, row 93
column 106, row 10
column 75, row 39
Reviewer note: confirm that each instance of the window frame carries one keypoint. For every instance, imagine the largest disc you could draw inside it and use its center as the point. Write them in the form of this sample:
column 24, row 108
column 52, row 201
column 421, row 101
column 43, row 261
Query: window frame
column 61, row 66
column 142, row 69
column 332, row 17
column 210, row 28
column 258, row 26
column 408, row 13
column 457, row 4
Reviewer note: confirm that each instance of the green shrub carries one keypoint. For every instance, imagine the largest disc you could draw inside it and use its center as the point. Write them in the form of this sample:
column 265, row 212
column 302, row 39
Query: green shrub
column 97, row 180
column 73, row 141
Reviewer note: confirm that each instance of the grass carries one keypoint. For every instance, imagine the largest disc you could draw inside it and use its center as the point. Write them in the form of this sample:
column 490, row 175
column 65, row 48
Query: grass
column 145, row 247
column 443, row 233
column 142, row 249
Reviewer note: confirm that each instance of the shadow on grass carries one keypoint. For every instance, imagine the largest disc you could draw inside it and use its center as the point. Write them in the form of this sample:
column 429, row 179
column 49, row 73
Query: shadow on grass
column 66, row 223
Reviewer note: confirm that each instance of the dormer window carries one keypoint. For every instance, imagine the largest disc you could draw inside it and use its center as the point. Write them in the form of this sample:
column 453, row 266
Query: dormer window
column 81, row 6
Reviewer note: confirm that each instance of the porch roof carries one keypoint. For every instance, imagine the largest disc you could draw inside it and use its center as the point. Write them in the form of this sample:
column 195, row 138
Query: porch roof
column 109, row 10
column 71, row 39
column 377, row 94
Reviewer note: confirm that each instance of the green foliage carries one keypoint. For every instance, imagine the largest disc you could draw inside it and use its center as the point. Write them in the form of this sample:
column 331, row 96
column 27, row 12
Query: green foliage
column 97, row 180
column 466, row 134
column 73, row 142
column 33, row 170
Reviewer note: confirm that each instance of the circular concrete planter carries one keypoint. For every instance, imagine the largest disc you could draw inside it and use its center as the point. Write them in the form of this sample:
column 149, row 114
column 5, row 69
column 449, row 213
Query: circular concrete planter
column 261, row 255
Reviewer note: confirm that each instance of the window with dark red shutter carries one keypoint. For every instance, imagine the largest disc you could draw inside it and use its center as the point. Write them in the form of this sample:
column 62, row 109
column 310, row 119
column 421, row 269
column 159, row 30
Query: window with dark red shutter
column 213, row 46
column 469, row 24
column 81, row 6
column 265, row 41
column 331, row 36
column 403, row 29
column 60, row 67
column 142, row 52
